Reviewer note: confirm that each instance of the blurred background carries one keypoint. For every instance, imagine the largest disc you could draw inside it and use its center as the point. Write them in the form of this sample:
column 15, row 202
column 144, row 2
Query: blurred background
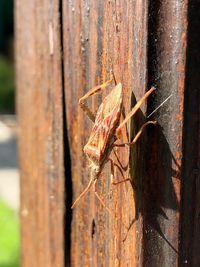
column 9, row 175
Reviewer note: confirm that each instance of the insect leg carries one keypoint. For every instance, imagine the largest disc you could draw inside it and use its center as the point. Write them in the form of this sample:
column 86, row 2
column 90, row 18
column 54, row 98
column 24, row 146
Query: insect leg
column 112, row 174
column 140, row 132
column 133, row 111
column 91, row 92
column 104, row 205
column 137, row 135
column 100, row 199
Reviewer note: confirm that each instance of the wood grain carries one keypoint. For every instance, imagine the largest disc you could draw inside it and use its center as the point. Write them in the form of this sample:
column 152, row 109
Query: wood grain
column 64, row 48
column 39, row 97
column 145, row 45
column 100, row 36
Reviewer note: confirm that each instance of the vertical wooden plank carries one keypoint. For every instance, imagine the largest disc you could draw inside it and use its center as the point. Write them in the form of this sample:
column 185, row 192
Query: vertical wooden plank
column 39, row 84
column 167, row 66
column 100, row 36
column 113, row 35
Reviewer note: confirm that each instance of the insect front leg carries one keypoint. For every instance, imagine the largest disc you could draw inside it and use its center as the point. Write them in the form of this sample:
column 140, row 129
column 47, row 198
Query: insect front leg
column 91, row 92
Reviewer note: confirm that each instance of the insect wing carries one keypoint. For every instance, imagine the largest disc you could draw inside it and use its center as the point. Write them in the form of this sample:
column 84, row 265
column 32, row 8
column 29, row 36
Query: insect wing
column 106, row 121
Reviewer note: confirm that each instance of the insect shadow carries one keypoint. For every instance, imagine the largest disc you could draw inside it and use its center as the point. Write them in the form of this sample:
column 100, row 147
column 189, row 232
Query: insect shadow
column 151, row 172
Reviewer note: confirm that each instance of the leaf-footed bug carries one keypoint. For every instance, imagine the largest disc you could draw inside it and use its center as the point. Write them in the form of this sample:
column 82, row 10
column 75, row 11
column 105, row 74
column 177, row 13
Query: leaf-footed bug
column 106, row 131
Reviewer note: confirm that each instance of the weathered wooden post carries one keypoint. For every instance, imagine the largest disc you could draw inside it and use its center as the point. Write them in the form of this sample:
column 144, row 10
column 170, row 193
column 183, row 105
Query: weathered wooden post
column 63, row 49
column 40, row 111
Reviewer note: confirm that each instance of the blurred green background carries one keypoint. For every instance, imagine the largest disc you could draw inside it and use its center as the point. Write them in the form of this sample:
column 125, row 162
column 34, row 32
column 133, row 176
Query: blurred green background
column 9, row 236
column 9, row 222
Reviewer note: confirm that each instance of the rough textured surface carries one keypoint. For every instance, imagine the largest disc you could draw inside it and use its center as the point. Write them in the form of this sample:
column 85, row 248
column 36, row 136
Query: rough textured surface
column 167, row 61
column 100, row 36
column 145, row 43
column 104, row 35
column 39, row 83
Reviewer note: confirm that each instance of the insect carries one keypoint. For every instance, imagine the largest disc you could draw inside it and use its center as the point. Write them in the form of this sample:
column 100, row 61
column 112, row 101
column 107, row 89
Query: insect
column 106, row 131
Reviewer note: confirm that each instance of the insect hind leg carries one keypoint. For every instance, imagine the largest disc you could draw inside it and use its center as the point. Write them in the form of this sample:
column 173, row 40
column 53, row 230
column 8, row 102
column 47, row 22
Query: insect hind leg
column 100, row 199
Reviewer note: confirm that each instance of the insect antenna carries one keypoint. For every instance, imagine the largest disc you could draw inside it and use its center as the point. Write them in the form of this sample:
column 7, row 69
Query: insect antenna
column 114, row 78
column 159, row 106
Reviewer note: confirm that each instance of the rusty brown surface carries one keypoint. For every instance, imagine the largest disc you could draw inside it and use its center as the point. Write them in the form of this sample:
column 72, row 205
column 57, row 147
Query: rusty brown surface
column 146, row 43
column 100, row 36
column 39, row 84
column 111, row 34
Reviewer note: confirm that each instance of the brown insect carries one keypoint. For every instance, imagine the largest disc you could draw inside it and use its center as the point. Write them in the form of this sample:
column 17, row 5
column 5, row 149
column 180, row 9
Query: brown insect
column 106, row 131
